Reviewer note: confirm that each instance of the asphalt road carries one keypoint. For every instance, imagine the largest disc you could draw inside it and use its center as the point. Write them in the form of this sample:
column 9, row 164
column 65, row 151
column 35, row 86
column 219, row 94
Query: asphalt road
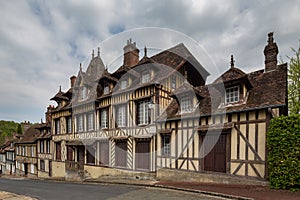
column 49, row 190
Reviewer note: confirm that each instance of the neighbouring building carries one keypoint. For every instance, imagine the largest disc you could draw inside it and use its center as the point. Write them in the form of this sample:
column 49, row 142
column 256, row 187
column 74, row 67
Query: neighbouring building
column 7, row 157
column 45, row 147
column 26, row 152
column 157, row 114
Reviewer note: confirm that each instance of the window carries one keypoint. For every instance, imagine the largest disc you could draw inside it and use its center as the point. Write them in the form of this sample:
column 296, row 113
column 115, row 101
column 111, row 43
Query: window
column 32, row 151
column 121, row 116
column 123, row 84
column 83, row 93
column 41, row 146
column 143, row 112
column 145, row 76
column 48, row 146
column 42, row 165
column 80, row 126
column 173, row 83
column 106, row 89
column 104, row 119
column 90, row 122
column 232, row 94
column 186, row 104
column 57, row 126
column 166, row 145
column 69, row 124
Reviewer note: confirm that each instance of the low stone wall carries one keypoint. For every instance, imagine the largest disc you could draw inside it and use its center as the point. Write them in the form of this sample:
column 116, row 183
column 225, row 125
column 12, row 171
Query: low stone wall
column 58, row 169
column 42, row 174
column 102, row 172
column 177, row 175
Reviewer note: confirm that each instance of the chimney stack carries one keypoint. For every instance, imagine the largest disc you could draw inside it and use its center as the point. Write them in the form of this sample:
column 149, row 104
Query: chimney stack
column 73, row 80
column 48, row 113
column 131, row 54
column 271, row 52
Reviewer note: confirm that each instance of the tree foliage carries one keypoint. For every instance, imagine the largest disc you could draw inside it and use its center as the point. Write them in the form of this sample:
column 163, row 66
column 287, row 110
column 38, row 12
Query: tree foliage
column 284, row 152
column 7, row 128
column 294, row 82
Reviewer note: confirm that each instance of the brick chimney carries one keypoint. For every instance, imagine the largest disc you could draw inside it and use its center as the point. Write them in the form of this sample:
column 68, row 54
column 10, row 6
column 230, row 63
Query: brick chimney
column 72, row 80
column 271, row 52
column 131, row 54
column 48, row 113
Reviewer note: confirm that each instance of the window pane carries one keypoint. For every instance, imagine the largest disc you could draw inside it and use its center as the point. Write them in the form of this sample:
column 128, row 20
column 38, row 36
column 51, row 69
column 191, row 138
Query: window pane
column 121, row 116
column 232, row 95
column 104, row 121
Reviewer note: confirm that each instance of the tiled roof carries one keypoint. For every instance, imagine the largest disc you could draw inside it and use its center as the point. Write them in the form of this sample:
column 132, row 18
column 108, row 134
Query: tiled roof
column 30, row 135
column 269, row 90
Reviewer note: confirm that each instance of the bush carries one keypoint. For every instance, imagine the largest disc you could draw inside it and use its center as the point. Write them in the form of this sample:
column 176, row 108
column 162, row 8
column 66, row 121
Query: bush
column 284, row 152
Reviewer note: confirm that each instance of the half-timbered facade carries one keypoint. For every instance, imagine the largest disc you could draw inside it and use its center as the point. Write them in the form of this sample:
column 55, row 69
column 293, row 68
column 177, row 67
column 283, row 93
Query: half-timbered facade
column 26, row 153
column 113, row 114
column 45, row 147
column 222, row 128
column 158, row 113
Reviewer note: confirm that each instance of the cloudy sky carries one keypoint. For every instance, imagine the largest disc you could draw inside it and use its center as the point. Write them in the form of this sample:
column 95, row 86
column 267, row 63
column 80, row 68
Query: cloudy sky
column 43, row 42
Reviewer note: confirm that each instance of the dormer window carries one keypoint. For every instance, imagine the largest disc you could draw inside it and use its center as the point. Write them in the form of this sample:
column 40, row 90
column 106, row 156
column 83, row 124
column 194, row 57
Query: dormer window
column 232, row 95
column 186, row 105
column 106, row 89
column 145, row 76
column 123, row 84
column 83, row 93
column 173, row 83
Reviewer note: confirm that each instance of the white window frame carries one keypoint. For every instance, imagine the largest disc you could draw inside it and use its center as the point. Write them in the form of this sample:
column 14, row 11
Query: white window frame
column 57, row 126
column 32, row 151
column 146, row 76
column 121, row 115
column 69, row 125
column 42, row 146
column 186, row 104
column 47, row 146
column 232, row 95
column 104, row 118
column 83, row 93
column 106, row 89
column 143, row 112
column 90, row 122
column 166, row 150
column 173, row 82
column 123, row 84
column 80, row 122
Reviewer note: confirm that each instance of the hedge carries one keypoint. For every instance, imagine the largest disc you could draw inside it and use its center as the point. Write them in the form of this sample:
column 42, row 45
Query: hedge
column 284, row 152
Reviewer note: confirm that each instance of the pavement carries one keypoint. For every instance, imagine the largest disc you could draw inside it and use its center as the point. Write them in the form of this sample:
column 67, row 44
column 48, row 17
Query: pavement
column 226, row 191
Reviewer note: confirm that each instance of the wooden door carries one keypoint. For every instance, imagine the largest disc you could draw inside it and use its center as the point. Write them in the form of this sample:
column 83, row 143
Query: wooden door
column 215, row 160
column 121, row 153
column 142, row 155
column 104, row 153
column 80, row 157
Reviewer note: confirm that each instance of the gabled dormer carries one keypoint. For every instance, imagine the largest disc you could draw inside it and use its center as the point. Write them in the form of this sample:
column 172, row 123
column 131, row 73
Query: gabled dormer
column 60, row 98
column 234, row 85
column 106, row 83
column 187, row 97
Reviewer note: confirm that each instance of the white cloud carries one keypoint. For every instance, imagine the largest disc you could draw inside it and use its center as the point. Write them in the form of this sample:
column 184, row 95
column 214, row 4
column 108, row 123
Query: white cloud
column 43, row 42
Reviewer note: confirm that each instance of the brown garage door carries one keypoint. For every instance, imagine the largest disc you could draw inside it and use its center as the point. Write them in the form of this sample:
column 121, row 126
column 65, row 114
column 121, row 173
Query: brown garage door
column 142, row 155
column 216, row 159
column 121, row 153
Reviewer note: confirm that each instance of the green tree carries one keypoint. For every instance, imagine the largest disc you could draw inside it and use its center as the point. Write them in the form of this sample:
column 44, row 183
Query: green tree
column 294, row 82
column 19, row 131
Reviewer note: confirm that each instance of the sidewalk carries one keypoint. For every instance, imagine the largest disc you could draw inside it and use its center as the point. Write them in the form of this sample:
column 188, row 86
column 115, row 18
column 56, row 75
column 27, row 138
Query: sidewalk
column 221, row 190
column 12, row 196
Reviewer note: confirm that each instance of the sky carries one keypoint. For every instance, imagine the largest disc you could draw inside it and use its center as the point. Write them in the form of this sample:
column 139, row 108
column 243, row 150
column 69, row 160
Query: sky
column 43, row 42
